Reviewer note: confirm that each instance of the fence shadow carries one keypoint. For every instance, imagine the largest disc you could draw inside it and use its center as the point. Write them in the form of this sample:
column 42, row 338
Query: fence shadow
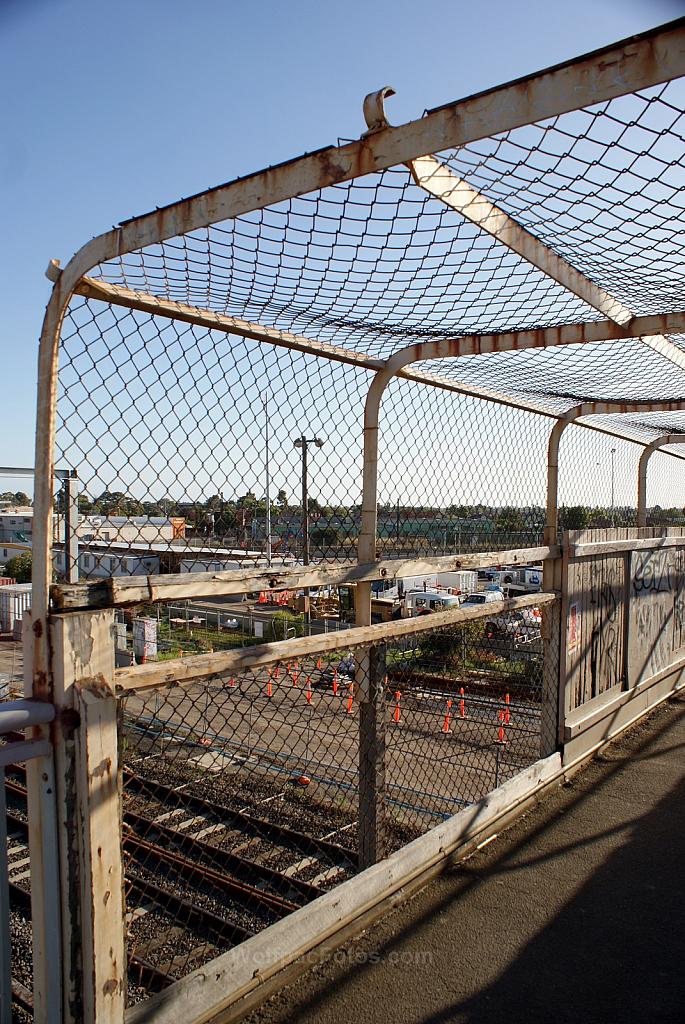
column 613, row 951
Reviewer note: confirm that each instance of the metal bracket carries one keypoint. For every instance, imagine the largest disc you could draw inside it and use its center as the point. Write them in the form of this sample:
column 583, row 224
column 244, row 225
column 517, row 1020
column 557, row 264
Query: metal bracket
column 374, row 110
column 53, row 271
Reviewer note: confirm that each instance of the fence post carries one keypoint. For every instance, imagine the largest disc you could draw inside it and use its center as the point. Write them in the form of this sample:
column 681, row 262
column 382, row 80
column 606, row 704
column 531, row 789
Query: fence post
column 372, row 716
column 89, row 817
column 71, row 520
column 45, row 903
column 552, row 695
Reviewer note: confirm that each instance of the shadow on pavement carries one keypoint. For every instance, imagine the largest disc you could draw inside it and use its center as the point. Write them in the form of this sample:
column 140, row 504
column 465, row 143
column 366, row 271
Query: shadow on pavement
column 613, row 945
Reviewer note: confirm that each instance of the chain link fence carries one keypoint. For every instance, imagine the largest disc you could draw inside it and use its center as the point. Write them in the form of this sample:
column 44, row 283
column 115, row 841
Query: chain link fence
column 184, row 384
column 247, row 794
column 284, row 420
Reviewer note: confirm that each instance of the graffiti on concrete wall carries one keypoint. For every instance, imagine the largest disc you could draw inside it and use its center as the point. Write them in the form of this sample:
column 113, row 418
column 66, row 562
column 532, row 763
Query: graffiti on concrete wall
column 594, row 644
column 625, row 619
column 657, row 602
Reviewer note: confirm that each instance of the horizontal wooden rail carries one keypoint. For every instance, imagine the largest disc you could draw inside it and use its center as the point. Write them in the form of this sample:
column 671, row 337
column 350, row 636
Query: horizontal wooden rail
column 185, row 671
column 125, row 590
column 609, row 547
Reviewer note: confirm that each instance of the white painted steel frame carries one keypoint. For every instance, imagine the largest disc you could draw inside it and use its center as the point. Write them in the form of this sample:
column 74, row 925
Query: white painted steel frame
column 633, row 64
column 660, row 442
column 571, row 416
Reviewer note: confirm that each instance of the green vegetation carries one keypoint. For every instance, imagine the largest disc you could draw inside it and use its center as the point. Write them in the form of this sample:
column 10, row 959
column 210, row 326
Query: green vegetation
column 20, row 568
column 283, row 623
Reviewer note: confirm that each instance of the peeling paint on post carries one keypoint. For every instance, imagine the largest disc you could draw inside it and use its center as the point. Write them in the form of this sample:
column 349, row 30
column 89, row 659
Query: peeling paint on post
column 89, row 817
column 99, row 819
column 372, row 715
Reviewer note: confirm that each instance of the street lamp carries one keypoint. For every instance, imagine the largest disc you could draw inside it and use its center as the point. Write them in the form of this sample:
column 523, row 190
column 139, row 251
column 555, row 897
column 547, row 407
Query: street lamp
column 613, row 504
column 302, row 443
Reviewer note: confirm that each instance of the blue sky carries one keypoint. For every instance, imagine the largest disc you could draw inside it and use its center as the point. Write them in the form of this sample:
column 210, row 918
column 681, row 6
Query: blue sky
column 111, row 110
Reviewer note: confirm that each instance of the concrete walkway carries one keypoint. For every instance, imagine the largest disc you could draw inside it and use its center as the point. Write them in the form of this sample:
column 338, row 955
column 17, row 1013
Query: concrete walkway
column 576, row 913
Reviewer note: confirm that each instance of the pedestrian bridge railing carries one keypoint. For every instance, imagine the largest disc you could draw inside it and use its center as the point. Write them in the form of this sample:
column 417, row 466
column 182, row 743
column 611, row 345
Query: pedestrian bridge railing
column 232, row 807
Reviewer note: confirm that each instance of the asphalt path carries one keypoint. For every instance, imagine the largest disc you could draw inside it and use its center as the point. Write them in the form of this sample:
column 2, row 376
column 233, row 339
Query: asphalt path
column 575, row 914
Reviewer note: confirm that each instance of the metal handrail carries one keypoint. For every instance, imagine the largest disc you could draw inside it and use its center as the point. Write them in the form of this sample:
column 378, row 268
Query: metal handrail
column 20, row 714
column 15, row 715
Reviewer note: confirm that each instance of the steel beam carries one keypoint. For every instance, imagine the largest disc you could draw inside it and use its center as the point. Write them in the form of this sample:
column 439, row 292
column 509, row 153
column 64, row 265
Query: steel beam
column 625, row 67
column 590, row 332
column 450, row 348
column 660, row 442
column 637, row 63
column 584, row 332
column 441, row 182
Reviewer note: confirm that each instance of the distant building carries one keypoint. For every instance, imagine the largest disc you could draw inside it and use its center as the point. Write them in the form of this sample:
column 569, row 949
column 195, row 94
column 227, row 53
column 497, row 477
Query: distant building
column 107, row 563
column 127, row 529
column 16, row 525
column 123, row 529
column 207, row 565
column 16, row 532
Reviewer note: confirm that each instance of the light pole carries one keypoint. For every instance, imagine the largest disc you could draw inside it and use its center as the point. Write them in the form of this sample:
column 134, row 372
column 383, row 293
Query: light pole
column 268, row 483
column 613, row 504
column 302, row 443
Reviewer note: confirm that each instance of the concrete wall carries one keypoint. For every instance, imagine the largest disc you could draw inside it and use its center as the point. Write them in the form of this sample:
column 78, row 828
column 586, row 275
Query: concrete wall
column 623, row 630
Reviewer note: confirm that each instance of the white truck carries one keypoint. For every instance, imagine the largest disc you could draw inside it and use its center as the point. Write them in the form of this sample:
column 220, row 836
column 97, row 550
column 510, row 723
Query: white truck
column 521, row 579
column 462, row 581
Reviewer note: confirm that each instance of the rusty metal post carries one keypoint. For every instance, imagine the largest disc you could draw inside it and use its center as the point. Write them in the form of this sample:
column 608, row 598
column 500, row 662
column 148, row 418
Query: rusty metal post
column 372, row 716
column 88, row 817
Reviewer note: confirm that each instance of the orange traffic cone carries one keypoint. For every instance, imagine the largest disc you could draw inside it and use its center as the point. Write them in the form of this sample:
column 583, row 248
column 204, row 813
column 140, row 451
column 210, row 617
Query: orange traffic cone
column 269, row 686
column 507, row 715
column 335, row 682
column 309, row 690
column 295, row 675
column 396, row 713
column 462, row 707
column 231, row 681
column 318, row 663
column 350, row 699
column 500, row 731
column 277, row 671
column 446, row 723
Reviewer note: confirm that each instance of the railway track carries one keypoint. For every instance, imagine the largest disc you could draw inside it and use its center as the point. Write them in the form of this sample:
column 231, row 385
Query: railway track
column 242, row 830
column 182, row 890
column 143, row 973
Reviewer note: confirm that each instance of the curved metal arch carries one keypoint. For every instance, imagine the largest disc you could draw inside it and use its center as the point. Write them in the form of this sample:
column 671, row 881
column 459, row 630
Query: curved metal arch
column 586, row 409
column 660, row 442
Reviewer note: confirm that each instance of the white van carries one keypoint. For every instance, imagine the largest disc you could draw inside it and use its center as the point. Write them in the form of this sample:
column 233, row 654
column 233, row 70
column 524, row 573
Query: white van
column 422, row 602
column 485, row 598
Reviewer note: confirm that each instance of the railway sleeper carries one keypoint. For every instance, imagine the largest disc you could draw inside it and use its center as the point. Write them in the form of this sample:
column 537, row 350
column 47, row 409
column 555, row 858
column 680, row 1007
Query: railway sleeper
column 246, row 823
column 198, row 875
column 222, row 933
column 245, row 871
